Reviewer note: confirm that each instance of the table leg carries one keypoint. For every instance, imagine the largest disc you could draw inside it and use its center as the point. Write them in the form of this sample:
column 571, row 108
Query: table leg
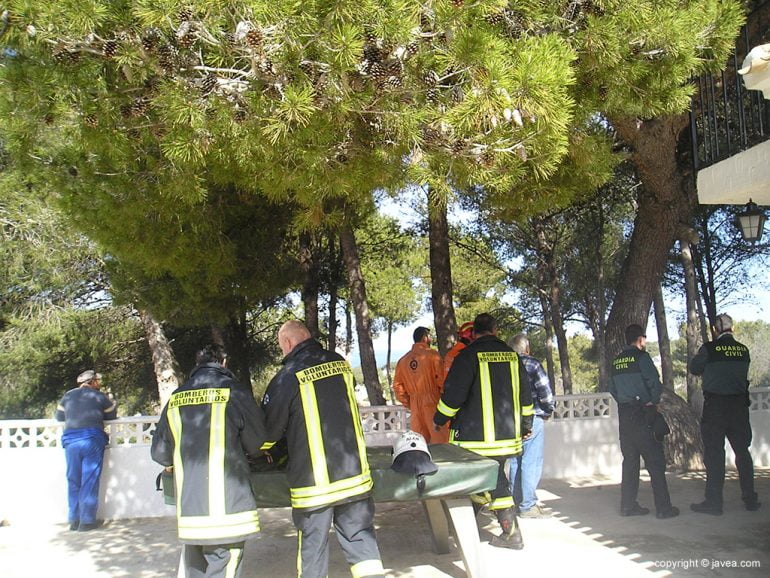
column 460, row 512
column 439, row 525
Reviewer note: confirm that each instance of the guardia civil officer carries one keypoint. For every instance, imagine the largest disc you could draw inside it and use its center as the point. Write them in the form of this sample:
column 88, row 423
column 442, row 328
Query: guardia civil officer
column 311, row 402
column 636, row 387
column 724, row 365
column 488, row 397
column 205, row 432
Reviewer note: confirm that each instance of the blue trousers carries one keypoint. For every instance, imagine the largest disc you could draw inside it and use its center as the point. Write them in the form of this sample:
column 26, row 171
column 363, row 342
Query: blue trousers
column 525, row 470
column 84, row 468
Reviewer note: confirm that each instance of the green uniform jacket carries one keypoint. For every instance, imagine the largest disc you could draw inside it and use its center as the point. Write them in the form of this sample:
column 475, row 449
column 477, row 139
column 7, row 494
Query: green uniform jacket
column 488, row 397
column 205, row 431
column 724, row 365
column 312, row 403
column 634, row 378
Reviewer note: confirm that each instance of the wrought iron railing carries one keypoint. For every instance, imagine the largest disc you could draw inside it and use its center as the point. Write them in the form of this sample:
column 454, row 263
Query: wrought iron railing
column 725, row 118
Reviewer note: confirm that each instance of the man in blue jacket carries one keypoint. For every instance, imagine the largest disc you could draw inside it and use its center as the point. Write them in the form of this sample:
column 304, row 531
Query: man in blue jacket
column 724, row 365
column 636, row 387
column 83, row 411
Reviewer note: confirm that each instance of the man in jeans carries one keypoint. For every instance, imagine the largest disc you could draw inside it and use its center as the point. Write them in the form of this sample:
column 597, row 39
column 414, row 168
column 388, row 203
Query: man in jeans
column 525, row 470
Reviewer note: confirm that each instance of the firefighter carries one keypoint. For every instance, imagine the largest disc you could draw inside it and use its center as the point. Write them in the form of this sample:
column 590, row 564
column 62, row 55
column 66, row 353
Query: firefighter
column 417, row 384
column 311, row 402
column 488, row 397
column 464, row 337
column 724, row 365
column 205, row 432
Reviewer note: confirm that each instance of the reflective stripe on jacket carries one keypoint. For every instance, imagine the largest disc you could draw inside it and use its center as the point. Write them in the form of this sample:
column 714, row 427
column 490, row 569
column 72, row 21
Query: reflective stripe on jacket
column 488, row 397
column 311, row 402
column 205, row 430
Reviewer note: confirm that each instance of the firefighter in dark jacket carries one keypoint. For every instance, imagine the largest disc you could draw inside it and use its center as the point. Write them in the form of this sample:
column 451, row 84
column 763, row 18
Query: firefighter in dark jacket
column 311, row 402
column 724, row 365
column 636, row 387
column 205, row 432
column 488, row 397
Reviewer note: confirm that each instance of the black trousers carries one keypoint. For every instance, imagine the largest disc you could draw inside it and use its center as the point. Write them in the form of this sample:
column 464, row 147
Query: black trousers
column 354, row 526
column 726, row 416
column 636, row 440
column 214, row 561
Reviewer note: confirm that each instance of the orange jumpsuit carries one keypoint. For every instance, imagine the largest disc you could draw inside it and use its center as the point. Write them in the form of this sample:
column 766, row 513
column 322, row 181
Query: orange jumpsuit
column 450, row 356
column 418, row 384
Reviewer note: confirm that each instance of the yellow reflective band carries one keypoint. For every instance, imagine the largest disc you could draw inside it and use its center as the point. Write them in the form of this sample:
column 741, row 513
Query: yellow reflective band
column 482, row 499
column 367, row 568
column 218, row 527
column 175, row 424
column 217, row 460
column 444, row 409
column 314, row 433
column 319, row 496
column 232, row 565
column 266, row 446
column 299, row 553
column 199, row 397
column 357, row 425
column 497, row 448
column 487, row 409
column 501, row 503
column 496, row 356
column 528, row 410
column 322, row 371
column 515, row 393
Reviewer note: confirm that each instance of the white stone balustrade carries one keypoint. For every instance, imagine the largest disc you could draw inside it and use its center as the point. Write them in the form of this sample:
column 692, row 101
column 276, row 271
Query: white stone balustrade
column 581, row 440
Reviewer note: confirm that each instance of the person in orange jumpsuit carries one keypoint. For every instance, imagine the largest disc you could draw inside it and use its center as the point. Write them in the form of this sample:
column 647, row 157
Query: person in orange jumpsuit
column 464, row 337
column 418, row 384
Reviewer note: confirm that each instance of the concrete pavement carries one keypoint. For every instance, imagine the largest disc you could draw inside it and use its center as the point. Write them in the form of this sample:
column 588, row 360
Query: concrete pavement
column 586, row 536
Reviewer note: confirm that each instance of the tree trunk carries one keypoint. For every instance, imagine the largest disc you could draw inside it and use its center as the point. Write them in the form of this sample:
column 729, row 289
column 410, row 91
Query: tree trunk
column 363, row 322
column 548, row 326
column 666, row 199
column 694, row 394
column 168, row 374
column 333, row 288
column 683, row 446
column 348, row 329
column 238, row 350
column 310, row 284
column 664, row 343
column 561, row 339
column 441, row 275
column 387, row 360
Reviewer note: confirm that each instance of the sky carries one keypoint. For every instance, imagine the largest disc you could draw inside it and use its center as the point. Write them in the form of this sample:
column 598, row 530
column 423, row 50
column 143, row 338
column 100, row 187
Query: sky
column 750, row 307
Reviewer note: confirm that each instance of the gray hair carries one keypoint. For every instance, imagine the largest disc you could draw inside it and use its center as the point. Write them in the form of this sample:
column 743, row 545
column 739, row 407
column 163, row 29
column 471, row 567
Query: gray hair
column 519, row 343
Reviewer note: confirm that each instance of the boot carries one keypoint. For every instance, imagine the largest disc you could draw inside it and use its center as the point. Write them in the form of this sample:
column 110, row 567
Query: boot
column 511, row 534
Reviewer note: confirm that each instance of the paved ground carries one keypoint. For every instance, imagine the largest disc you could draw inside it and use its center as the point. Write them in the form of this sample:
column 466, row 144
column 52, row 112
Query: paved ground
column 586, row 535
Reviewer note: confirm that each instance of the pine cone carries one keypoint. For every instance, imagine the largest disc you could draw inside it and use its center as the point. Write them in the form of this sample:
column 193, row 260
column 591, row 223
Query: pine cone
column 208, row 84
column 110, row 48
column 394, row 81
column 140, row 106
column 126, row 110
column 379, row 72
column 433, row 96
column 254, row 38
column 186, row 14
column 188, row 40
column 91, row 120
column 167, row 57
column 150, row 39
column 411, row 49
column 430, row 78
column 240, row 114
column 458, row 146
column 372, row 53
column 487, row 158
column 308, row 68
column 495, row 18
column 457, row 3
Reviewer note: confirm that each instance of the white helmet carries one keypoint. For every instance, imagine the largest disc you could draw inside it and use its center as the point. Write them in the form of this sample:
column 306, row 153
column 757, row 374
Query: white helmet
column 411, row 455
